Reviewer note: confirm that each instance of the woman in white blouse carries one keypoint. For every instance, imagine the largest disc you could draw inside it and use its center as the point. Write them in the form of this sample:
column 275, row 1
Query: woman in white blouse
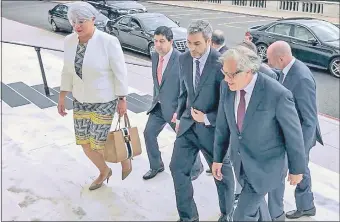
column 95, row 72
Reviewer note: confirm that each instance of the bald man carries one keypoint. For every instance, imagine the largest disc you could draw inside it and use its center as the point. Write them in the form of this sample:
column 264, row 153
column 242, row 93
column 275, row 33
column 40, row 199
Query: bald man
column 297, row 77
column 218, row 41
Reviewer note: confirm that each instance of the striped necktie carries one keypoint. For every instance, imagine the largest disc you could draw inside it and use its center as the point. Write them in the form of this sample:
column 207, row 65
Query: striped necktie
column 198, row 74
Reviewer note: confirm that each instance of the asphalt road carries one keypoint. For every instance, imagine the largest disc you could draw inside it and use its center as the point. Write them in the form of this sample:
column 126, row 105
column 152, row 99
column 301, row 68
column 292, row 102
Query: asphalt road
column 34, row 13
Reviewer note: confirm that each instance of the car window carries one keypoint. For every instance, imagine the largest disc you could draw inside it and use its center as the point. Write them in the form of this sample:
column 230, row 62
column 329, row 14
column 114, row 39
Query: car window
column 326, row 32
column 281, row 29
column 134, row 23
column 124, row 21
column 302, row 33
column 64, row 9
column 58, row 8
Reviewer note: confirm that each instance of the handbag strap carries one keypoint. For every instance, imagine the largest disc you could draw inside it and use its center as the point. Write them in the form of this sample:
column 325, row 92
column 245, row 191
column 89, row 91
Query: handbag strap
column 126, row 122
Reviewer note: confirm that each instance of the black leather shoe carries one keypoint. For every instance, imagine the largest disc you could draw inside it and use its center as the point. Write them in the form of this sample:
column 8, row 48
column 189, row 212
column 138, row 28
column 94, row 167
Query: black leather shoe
column 294, row 214
column 280, row 218
column 196, row 220
column 208, row 171
column 152, row 173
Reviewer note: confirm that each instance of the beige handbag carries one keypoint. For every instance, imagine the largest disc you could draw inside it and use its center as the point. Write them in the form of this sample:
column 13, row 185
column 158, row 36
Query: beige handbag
column 122, row 143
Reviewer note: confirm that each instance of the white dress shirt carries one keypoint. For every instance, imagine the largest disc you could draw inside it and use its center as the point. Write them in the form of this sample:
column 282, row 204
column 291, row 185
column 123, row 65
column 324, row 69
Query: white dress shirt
column 104, row 73
column 202, row 61
column 249, row 91
column 287, row 68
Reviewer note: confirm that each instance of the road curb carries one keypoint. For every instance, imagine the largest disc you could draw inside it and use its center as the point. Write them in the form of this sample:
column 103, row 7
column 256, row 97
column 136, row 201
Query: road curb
column 330, row 118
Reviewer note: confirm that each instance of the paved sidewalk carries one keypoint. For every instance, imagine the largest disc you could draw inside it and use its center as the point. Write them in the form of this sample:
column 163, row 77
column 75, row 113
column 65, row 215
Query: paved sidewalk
column 46, row 176
column 244, row 10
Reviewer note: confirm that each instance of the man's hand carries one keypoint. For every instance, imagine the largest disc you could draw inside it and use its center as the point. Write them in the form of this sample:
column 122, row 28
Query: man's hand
column 61, row 106
column 217, row 170
column 174, row 117
column 121, row 109
column 197, row 115
column 295, row 179
column 177, row 127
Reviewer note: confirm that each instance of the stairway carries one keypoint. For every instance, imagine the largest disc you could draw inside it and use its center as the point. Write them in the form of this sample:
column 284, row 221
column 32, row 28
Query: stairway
column 19, row 94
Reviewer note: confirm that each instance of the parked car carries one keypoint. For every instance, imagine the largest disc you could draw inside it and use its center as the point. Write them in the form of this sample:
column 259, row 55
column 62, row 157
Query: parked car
column 315, row 42
column 135, row 31
column 57, row 18
column 114, row 9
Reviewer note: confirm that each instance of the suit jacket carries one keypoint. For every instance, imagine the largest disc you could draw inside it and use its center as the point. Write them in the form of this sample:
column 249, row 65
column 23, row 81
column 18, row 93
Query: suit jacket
column 168, row 91
column 207, row 95
column 300, row 81
column 270, row 130
column 104, row 73
column 265, row 69
column 223, row 49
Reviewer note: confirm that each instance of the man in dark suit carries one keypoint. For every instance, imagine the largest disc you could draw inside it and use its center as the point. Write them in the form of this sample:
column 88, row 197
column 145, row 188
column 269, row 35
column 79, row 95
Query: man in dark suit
column 197, row 110
column 218, row 41
column 258, row 119
column 297, row 77
column 165, row 73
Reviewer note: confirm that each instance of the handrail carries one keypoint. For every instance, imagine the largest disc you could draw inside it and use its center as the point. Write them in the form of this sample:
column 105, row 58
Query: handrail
column 37, row 49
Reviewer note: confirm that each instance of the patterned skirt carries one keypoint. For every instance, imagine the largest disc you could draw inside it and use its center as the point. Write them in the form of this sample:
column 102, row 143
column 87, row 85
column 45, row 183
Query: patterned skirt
column 92, row 122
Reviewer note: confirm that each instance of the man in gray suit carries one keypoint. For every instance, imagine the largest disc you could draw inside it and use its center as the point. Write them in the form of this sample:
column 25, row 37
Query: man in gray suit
column 258, row 119
column 197, row 110
column 165, row 73
column 297, row 77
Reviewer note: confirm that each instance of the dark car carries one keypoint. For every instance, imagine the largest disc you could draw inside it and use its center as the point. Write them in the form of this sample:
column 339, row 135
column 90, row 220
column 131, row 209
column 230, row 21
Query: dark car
column 115, row 9
column 315, row 42
column 57, row 18
column 136, row 31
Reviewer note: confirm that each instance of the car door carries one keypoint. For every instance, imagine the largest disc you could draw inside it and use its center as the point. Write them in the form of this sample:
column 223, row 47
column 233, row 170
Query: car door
column 306, row 47
column 57, row 16
column 66, row 23
column 137, row 37
column 280, row 31
column 123, row 32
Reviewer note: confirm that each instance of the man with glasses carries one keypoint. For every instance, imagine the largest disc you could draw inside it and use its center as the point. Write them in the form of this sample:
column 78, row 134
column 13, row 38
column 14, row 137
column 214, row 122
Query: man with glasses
column 196, row 119
column 258, row 119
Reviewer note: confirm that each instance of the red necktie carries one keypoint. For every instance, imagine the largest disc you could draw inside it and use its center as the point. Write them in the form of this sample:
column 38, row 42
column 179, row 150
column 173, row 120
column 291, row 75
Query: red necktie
column 159, row 69
column 241, row 110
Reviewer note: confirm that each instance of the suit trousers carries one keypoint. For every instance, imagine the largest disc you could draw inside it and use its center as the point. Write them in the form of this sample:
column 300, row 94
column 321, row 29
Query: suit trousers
column 303, row 194
column 187, row 146
column 154, row 126
column 251, row 206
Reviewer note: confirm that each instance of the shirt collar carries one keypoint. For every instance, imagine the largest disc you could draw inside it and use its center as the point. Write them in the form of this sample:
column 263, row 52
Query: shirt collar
column 219, row 48
column 250, row 87
column 286, row 69
column 167, row 56
column 204, row 57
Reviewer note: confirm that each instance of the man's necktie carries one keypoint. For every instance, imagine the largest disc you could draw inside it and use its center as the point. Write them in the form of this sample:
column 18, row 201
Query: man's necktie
column 198, row 74
column 241, row 110
column 159, row 69
column 282, row 75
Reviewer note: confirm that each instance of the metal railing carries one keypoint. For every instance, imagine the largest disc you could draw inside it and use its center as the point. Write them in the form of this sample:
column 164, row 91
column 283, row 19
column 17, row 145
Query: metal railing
column 38, row 49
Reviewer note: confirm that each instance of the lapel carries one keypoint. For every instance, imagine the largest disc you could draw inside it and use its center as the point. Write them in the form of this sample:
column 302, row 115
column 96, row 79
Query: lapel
column 204, row 75
column 255, row 100
column 154, row 69
column 287, row 82
column 189, row 73
column 168, row 67
column 230, row 104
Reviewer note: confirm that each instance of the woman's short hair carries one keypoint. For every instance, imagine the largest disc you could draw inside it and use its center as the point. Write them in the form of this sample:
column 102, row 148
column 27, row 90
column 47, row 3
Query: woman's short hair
column 80, row 11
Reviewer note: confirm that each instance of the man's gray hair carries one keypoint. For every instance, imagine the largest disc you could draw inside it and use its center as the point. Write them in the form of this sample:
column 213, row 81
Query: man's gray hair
column 201, row 26
column 79, row 11
column 245, row 58
column 249, row 45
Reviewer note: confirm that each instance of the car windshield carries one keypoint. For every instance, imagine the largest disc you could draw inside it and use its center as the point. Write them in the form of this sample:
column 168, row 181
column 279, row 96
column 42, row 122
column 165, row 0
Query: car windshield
column 152, row 23
column 326, row 32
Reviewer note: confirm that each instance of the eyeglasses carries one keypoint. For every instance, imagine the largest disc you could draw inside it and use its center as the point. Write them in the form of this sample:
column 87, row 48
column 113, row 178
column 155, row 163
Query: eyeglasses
column 78, row 22
column 231, row 75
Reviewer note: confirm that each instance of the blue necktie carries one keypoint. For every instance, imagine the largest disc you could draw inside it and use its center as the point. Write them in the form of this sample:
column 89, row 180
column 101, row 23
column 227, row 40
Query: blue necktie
column 282, row 75
column 198, row 74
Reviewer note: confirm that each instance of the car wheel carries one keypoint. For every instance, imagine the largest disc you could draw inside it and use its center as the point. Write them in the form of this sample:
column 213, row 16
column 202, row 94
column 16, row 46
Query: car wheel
column 334, row 67
column 262, row 51
column 54, row 26
column 151, row 49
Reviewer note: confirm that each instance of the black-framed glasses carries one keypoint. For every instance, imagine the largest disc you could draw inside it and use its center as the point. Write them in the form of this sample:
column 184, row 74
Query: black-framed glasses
column 230, row 75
